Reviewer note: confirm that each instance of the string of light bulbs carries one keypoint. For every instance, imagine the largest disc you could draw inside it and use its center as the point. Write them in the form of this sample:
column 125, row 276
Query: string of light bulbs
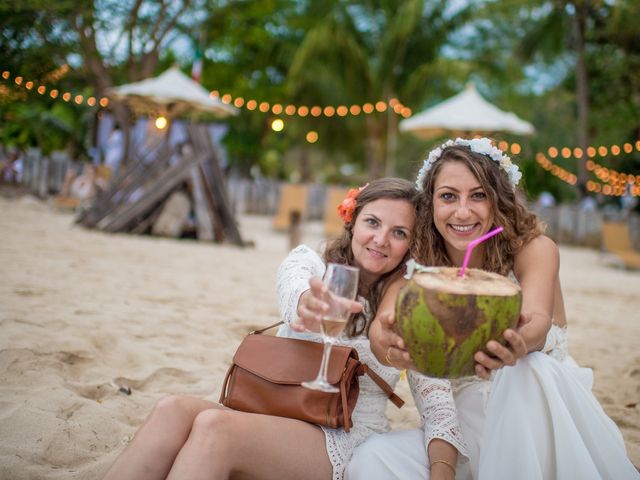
column 55, row 93
column 615, row 183
column 275, row 108
column 315, row 111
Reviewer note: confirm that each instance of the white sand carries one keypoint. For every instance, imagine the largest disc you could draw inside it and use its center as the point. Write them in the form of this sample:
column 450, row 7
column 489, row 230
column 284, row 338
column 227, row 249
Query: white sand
column 83, row 313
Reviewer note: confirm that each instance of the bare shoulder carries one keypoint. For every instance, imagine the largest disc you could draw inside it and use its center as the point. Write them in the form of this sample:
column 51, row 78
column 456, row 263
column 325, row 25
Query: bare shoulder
column 540, row 251
column 541, row 245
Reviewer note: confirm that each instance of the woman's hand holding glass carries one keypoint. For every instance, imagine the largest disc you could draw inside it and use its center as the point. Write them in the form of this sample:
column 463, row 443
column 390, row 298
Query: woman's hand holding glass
column 340, row 285
column 313, row 305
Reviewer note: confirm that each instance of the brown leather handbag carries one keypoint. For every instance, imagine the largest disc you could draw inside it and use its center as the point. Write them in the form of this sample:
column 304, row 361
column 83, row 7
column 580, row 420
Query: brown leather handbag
column 266, row 373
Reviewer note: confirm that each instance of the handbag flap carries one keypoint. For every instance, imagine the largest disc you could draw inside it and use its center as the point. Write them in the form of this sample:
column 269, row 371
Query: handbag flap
column 288, row 360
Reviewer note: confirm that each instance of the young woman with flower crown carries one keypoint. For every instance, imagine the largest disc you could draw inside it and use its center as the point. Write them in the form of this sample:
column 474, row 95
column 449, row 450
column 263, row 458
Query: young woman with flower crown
column 537, row 420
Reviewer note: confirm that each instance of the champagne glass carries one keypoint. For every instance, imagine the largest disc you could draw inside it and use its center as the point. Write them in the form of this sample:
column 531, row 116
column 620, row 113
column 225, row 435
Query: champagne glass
column 342, row 285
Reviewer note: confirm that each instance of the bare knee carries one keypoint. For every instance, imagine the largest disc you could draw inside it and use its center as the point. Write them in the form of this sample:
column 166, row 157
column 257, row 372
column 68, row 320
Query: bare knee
column 174, row 414
column 214, row 424
column 171, row 406
column 217, row 431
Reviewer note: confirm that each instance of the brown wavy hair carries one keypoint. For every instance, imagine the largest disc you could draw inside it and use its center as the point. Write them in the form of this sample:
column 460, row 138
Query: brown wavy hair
column 339, row 249
column 507, row 205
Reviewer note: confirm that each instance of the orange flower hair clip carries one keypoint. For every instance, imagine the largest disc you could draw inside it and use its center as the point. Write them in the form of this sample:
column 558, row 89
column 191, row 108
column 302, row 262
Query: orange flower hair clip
column 348, row 205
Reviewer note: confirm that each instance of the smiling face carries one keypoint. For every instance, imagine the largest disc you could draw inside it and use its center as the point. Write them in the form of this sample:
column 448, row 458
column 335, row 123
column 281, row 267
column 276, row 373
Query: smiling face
column 381, row 236
column 461, row 210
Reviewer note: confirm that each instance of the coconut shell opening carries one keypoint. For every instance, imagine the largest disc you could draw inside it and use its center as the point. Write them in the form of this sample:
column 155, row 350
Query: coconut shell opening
column 475, row 282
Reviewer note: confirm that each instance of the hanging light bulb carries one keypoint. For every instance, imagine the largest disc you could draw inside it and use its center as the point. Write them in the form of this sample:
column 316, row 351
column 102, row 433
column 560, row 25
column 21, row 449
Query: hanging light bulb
column 277, row 125
column 161, row 122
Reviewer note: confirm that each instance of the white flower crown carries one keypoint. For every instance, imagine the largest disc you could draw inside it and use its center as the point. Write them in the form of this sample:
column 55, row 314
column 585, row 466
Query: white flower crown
column 482, row 146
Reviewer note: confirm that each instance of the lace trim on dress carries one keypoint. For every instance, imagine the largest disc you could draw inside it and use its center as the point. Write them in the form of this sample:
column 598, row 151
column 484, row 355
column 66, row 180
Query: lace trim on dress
column 294, row 273
column 557, row 343
column 434, row 400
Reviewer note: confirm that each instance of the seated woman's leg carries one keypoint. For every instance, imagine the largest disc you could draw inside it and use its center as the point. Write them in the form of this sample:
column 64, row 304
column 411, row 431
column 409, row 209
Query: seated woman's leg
column 225, row 443
column 155, row 445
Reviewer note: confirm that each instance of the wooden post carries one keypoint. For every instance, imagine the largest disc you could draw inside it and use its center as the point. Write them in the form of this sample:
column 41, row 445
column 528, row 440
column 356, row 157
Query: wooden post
column 43, row 177
column 295, row 233
column 204, row 217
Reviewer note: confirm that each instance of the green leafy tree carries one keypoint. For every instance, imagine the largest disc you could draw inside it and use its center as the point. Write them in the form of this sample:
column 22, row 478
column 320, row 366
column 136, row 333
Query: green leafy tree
column 372, row 51
column 107, row 41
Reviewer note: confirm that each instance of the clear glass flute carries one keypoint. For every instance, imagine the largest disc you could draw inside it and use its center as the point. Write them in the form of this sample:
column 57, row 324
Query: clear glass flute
column 342, row 285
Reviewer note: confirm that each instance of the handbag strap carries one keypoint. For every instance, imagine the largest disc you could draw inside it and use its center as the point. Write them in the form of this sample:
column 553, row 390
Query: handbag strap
column 364, row 368
column 223, row 393
column 397, row 401
column 260, row 330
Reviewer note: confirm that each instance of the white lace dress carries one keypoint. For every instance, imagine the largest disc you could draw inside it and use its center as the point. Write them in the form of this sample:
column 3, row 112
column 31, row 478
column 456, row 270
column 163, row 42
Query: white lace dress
column 537, row 420
column 433, row 399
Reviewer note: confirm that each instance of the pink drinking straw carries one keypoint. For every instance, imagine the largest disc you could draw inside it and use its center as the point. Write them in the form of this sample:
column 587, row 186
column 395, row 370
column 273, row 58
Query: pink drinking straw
column 472, row 244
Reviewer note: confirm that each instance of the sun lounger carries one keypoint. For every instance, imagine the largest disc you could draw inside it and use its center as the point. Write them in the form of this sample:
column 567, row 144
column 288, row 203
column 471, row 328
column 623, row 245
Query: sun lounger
column 293, row 198
column 616, row 240
column 332, row 222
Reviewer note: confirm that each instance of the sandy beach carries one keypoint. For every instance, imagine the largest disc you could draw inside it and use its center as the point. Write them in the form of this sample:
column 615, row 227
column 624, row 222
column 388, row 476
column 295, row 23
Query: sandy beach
column 86, row 316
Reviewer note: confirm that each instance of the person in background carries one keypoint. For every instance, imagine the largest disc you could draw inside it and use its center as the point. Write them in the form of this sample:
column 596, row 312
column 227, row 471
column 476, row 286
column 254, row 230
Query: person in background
column 11, row 167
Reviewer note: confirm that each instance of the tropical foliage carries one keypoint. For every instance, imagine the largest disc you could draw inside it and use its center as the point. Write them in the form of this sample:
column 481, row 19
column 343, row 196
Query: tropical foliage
column 572, row 68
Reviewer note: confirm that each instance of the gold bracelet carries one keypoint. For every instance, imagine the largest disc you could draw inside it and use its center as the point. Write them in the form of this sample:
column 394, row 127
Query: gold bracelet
column 451, row 466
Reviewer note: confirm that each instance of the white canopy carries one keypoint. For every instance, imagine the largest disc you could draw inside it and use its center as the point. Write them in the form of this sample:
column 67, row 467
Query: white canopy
column 466, row 112
column 173, row 92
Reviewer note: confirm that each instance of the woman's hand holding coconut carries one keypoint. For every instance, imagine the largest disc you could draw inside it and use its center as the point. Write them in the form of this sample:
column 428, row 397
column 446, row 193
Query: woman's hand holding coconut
column 501, row 355
column 390, row 348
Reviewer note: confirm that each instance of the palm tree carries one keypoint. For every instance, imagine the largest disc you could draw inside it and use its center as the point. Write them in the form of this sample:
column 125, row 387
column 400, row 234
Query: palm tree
column 378, row 50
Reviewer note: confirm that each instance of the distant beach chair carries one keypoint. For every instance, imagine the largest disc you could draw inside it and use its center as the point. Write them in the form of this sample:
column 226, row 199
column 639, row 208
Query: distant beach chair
column 293, row 198
column 616, row 240
column 332, row 222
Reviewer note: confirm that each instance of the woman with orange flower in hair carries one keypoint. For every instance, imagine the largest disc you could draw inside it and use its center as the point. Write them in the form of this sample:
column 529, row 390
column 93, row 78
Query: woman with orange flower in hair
column 186, row 437
column 378, row 228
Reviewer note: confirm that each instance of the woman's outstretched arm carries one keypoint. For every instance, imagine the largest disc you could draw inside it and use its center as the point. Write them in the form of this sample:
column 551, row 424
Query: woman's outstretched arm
column 537, row 267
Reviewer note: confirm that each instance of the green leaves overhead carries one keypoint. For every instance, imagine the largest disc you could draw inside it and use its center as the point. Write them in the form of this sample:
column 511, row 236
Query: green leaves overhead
column 520, row 53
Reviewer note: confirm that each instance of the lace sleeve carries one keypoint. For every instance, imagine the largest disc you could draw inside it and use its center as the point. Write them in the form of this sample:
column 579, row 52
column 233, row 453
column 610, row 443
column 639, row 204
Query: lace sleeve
column 294, row 273
column 434, row 400
column 557, row 344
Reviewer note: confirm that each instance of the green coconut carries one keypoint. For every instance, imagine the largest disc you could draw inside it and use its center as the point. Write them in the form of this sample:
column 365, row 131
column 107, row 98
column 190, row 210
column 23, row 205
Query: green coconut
column 444, row 319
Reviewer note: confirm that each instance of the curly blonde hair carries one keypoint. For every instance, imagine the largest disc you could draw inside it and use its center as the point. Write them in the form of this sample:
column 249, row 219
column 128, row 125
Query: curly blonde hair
column 339, row 250
column 507, row 205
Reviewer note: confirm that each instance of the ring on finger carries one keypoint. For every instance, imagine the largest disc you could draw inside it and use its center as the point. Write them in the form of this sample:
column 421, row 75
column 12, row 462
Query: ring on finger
column 386, row 357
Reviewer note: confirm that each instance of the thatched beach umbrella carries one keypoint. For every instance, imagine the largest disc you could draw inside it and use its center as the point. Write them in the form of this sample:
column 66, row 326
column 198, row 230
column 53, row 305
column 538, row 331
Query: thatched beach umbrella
column 465, row 113
column 171, row 93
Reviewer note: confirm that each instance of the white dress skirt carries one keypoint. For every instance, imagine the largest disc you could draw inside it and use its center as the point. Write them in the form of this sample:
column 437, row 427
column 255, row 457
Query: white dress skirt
column 537, row 420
